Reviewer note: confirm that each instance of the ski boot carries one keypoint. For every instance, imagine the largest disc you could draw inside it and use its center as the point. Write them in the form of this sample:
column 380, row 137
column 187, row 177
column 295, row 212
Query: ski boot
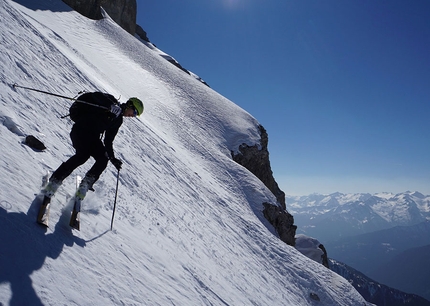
column 48, row 192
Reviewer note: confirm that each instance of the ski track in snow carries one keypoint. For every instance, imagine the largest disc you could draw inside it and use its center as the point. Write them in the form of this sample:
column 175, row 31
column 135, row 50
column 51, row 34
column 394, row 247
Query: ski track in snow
column 188, row 229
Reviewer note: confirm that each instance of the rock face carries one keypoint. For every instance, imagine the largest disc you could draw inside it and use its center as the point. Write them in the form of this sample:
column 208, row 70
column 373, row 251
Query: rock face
column 282, row 221
column 141, row 33
column 256, row 159
column 122, row 12
column 325, row 261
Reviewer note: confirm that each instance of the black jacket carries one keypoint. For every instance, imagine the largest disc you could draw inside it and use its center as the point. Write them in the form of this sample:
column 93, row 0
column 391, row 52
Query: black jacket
column 96, row 121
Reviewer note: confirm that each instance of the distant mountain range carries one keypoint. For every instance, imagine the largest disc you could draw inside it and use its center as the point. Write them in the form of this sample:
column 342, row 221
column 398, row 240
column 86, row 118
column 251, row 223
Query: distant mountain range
column 410, row 270
column 398, row 257
column 384, row 236
column 330, row 217
column 374, row 292
column 368, row 252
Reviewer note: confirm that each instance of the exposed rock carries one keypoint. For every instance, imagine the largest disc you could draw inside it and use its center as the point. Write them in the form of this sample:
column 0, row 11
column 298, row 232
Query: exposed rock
column 122, row 12
column 325, row 256
column 34, row 143
column 88, row 8
column 256, row 160
column 282, row 221
column 141, row 33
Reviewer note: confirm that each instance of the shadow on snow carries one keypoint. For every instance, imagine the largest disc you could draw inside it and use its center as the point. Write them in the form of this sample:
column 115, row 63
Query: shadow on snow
column 24, row 246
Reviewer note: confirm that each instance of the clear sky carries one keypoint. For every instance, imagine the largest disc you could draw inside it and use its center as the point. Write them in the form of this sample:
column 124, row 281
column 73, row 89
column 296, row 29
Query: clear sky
column 341, row 86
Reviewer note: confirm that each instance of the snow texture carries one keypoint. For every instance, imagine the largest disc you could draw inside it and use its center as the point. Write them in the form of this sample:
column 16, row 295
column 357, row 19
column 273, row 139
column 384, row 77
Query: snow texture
column 189, row 228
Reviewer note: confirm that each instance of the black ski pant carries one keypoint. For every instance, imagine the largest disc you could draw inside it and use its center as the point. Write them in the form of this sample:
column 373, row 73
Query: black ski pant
column 87, row 145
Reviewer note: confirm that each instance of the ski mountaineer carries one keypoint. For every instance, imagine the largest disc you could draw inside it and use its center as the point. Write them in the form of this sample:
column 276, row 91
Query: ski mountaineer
column 86, row 135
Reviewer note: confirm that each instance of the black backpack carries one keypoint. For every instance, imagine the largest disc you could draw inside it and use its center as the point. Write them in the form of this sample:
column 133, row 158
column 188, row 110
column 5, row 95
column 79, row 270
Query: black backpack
column 91, row 103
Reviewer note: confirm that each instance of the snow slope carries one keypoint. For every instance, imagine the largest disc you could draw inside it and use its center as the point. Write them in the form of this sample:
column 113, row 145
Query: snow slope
column 188, row 229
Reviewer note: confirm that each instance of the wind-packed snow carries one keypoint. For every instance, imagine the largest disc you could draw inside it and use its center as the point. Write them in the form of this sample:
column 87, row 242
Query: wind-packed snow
column 188, row 229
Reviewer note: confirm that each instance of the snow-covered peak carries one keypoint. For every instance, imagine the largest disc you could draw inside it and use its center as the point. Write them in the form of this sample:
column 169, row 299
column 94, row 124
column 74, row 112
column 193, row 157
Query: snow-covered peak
column 356, row 213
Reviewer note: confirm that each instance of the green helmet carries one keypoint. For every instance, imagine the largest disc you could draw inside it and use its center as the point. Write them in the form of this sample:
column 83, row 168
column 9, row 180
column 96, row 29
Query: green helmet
column 137, row 104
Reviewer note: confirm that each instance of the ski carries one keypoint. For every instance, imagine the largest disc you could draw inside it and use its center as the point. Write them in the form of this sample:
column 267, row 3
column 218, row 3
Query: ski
column 43, row 215
column 75, row 218
column 75, row 221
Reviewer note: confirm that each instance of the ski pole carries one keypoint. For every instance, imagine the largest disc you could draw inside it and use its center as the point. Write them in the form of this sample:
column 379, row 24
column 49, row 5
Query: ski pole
column 42, row 91
column 114, row 203
column 59, row 96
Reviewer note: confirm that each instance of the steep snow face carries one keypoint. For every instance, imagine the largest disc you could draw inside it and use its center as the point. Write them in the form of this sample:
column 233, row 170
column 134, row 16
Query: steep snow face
column 189, row 228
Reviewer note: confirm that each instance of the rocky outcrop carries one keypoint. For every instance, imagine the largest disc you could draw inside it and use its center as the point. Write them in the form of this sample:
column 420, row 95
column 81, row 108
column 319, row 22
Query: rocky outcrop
column 325, row 256
column 282, row 221
column 256, row 159
column 122, row 12
column 141, row 33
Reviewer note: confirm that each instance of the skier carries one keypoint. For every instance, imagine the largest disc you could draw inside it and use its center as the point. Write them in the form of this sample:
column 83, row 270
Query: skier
column 90, row 124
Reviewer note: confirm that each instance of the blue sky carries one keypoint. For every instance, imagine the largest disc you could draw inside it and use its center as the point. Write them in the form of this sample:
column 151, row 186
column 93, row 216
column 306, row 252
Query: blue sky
column 342, row 87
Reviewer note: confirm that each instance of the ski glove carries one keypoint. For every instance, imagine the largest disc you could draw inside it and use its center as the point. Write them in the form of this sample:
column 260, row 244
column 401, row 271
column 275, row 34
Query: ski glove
column 117, row 163
column 116, row 110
